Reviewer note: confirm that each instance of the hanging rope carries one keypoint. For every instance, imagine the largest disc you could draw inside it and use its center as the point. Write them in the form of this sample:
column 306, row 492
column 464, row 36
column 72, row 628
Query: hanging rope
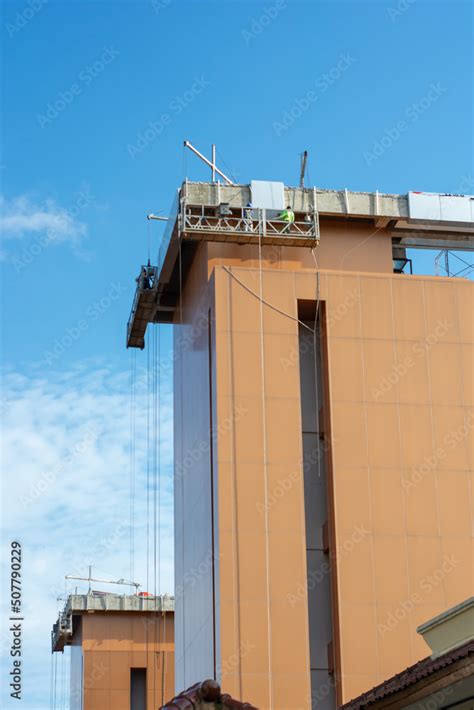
column 132, row 461
column 51, row 682
column 316, row 348
column 157, row 625
column 235, row 518
column 160, row 626
column 147, row 642
column 228, row 170
column 155, row 469
column 64, row 678
column 164, row 669
column 159, row 455
column 181, row 440
column 185, row 163
column 315, row 329
column 55, row 677
column 262, row 300
column 149, row 239
column 68, row 678
column 132, row 473
column 265, row 472
column 162, row 662
column 63, row 681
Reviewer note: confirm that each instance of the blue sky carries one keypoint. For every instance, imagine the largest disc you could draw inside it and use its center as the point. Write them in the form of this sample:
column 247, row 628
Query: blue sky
column 97, row 100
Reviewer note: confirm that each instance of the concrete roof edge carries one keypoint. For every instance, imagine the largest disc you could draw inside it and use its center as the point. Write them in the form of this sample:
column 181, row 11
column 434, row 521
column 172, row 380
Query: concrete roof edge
column 446, row 615
column 77, row 603
column 307, row 189
column 339, row 203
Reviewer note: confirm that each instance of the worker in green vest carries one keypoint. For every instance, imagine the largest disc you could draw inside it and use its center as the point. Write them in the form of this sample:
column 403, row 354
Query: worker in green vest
column 287, row 216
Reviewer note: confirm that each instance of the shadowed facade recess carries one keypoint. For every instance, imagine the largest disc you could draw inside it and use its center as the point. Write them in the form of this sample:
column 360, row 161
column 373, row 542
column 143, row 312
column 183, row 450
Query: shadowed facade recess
column 323, row 435
column 122, row 650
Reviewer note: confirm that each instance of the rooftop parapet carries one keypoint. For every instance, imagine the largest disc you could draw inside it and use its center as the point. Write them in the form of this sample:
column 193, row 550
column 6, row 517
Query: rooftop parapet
column 78, row 604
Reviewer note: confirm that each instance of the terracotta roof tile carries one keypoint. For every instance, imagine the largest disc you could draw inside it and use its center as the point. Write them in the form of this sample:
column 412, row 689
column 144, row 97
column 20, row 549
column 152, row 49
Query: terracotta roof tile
column 408, row 677
column 206, row 692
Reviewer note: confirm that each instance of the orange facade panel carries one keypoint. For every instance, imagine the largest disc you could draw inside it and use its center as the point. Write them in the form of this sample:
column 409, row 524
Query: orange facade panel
column 113, row 644
column 402, row 426
column 398, row 444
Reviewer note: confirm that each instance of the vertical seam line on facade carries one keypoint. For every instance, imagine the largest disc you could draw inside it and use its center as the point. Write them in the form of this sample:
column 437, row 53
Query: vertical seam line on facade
column 265, row 476
column 433, row 440
column 302, row 504
column 470, row 463
column 211, row 467
column 402, row 477
column 368, row 469
column 334, row 498
column 235, row 527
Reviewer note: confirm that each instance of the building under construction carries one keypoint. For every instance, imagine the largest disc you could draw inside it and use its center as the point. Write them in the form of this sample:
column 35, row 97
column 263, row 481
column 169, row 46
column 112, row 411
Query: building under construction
column 121, row 650
column 323, row 425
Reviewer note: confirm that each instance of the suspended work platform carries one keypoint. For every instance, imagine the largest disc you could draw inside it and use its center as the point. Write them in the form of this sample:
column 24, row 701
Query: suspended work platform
column 144, row 307
column 249, row 214
column 214, row 213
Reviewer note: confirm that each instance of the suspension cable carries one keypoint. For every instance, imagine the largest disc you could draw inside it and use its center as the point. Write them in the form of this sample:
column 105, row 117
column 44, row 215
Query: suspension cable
column 221, row 158
column 265, row 474
column 51, row 681
column 181, row 441
column 55, row 676
column 132, row 460
column 147, row 642
column 260, row 298
column 235, row 509
column 149, row 239
column 158, row 365
column 164, row 670
column 155, row 470
column 157, row 626
column 63, row 680
column 317, row 348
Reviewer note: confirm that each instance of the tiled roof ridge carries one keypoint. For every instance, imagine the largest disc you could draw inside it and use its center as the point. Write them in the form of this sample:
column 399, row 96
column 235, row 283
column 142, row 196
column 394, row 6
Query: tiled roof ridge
column 410, row 675
column 208, row 691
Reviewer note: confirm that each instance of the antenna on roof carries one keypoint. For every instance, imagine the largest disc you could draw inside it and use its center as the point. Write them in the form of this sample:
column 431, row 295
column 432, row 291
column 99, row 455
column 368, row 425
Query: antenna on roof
column 90, row 579
column 212, row 164
column 304, row 160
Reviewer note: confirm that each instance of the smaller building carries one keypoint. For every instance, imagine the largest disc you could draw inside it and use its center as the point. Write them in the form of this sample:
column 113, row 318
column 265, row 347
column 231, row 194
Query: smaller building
column 443, row 680
column 122, row 650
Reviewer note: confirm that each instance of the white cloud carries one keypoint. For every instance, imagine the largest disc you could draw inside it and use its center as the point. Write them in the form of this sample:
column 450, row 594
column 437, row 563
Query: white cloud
column 35, row 226
column 65, row 495
column 21, row 217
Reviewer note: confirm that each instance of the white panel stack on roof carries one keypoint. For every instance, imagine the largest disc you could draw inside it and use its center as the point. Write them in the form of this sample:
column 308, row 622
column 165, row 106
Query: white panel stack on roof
column 268, row 195
column 435, row 207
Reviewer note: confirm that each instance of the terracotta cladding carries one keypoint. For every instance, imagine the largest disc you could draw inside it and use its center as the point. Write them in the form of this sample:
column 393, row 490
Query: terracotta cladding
column 400, row 393
column 113, row 643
